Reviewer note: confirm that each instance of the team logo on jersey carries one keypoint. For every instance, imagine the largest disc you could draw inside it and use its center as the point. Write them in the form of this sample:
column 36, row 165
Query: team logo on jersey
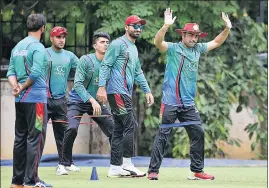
column 59, row 70
column 96, row 81
column 191, row 66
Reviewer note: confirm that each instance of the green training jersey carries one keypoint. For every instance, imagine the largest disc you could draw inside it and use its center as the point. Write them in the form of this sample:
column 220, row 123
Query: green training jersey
column 122, row 64
column 86, row 79
column 60, row 65
column 29, row 60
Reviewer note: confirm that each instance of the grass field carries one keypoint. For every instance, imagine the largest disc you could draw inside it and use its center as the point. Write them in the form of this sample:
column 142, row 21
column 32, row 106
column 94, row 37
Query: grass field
column 226, row 177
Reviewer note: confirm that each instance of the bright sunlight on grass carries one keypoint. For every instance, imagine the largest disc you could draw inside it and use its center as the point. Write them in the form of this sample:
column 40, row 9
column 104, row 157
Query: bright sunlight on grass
column 226, row 177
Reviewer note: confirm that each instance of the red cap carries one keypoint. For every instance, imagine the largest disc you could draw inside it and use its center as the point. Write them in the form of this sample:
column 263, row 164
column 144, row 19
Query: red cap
column 134, row 19
column 192, row 28
column 57, row 31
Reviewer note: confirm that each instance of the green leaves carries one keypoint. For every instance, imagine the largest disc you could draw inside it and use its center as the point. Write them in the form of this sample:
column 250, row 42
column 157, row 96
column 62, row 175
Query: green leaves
column 229, row 75
column 150, row 120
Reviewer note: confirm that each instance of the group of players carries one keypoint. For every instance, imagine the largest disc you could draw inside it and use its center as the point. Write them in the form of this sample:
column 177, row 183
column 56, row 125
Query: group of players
column 38, row 77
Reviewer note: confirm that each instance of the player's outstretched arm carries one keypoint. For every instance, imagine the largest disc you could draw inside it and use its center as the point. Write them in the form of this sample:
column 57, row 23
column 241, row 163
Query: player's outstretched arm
column 222, row 36
column 159, row 37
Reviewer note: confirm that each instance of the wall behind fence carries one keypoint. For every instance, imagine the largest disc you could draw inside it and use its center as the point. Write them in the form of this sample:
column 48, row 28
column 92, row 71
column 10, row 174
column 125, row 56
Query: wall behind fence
column 90, row 139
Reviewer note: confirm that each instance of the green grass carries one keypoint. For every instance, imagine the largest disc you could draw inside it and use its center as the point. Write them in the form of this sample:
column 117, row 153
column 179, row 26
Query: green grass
column 226, row 177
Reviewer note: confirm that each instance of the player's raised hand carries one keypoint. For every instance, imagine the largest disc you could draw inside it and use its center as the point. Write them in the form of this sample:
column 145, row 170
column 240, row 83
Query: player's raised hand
column 226, row 20
column 168, row 17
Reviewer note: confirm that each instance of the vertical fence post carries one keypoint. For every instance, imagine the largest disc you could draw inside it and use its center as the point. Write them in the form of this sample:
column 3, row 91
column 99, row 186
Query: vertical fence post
column 40, row 6
column 75, row 35
column 1, row 34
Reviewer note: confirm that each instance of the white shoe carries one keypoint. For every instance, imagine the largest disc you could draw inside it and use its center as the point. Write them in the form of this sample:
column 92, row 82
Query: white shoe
column 72, row 168
column 117, row 171
column 134, row 171
column 60, row 170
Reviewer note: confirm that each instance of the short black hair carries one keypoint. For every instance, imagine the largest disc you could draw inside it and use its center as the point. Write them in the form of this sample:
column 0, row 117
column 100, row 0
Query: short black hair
column 98, row 35
column 35, row 22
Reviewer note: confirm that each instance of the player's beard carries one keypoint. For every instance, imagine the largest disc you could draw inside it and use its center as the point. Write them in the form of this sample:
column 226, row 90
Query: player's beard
column 191, row 44
column 134, row 36
column 59, row 47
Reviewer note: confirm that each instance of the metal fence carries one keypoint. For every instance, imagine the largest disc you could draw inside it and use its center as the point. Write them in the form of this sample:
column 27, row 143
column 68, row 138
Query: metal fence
column 13, row 18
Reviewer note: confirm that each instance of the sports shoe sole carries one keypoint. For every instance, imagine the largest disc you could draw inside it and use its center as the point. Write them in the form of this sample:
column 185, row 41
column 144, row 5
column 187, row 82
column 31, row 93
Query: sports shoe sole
column 62, row 174
column 120, row 176
column 30, row 186
column 138, row 176
column 133, row 174
column 16, row 186
column 153, row 178
column 195, row 178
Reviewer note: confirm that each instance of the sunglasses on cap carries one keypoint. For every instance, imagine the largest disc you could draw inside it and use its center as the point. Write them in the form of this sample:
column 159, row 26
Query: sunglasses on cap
column 136, row 26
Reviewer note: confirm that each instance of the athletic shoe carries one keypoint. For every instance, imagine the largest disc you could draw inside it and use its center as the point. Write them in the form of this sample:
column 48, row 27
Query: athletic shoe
column 60, row 170
column 117, row 171
column 38, row 184
column 200, row 176
column 16, row 186
column 153, row 176
column 133, row 171
column 72, row 168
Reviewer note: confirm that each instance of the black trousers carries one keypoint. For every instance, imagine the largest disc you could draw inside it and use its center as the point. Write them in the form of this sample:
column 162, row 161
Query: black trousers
column 78, row 109
column 168, row 115
column 57, row 111
column 122, row 144
column 30, row 134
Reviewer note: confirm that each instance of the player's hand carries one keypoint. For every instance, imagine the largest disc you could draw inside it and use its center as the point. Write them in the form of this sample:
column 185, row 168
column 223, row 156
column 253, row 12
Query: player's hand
column 150, row 99
column 101, row 95
column 17, row 90
column 97, row 111
column 226, row 20
column 168, row 18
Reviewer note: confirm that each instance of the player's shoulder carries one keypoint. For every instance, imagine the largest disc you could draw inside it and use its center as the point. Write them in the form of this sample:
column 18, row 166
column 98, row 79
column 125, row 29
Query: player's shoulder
column 174, row 44
column 118, row 42
column 30, row 43
column 68, row 52
column 37, row 46
column 199, row 46
column 87, row 60
column 49, row 50
column 87, row 57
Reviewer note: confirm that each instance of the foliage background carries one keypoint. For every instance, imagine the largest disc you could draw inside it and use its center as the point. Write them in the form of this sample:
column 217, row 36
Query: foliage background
column 229, row 75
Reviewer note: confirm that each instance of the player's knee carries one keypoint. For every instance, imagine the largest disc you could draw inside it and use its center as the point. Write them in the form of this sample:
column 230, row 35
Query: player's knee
column 200, row 132
column 164, row 131
column 72, row 130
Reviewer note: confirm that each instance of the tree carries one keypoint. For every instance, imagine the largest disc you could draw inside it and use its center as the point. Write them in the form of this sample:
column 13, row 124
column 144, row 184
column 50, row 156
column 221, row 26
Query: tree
column 228, row 75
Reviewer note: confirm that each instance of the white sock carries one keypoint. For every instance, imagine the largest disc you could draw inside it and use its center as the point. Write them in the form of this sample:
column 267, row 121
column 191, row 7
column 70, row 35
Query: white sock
column 126, row 161
column 114, row 167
